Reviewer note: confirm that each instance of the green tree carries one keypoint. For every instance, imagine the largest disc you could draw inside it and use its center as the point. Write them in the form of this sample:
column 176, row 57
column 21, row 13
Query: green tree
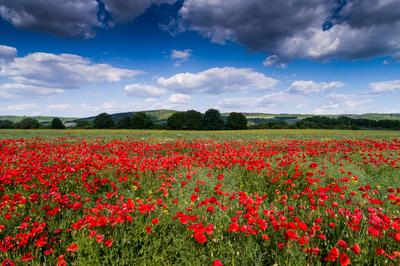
column 28, row 123
column 141, row 121
column 56, row 123
column 176, row 121
column 193, row 120
column 213, row 120
column 103, row 121
column 6, row 124
column 81, row 123
column 236, row 121
column 125, row 123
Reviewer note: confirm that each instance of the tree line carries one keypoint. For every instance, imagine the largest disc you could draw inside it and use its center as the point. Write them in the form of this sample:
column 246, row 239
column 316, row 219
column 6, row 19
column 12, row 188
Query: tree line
column 324, row 122
column 31, row 123
column 210, row 120
column 189, row 120
column 344, row 122
column 138, row 120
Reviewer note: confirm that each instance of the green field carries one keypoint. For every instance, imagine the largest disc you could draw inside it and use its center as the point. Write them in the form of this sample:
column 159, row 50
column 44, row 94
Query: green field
column 221, row 135
column 153, row 197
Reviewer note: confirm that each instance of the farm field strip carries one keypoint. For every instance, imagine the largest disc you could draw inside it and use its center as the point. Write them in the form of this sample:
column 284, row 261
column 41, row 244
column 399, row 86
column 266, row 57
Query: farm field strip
column 223, row 135
column 110, row 201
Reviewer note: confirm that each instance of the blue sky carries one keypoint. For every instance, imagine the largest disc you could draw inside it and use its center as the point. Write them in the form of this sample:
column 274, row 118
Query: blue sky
column 80, row 58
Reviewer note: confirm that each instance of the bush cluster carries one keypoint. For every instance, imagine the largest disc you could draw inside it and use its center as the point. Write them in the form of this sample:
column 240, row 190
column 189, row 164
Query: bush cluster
column 189, row 120
column 31, row 123
column 210, row 120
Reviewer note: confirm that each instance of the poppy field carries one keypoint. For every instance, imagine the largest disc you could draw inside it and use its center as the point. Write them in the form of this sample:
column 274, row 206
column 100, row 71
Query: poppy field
column 73, row 200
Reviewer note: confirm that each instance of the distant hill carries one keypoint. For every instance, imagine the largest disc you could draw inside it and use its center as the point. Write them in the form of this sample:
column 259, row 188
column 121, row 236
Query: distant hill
column 376, row 116
column 41, row 119
column 260, row 118
column 161, row 116
column 372, row 116
column 158, row 116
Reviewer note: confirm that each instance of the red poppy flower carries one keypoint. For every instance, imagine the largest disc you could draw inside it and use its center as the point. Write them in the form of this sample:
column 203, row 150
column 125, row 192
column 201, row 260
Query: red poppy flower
column 73, row 247
column 265, row 237
column 356, row 249
column 344, row 259
column 200, row 237
column 194, row 197
column 379, row 251
column 27, row 257
column 373, row 231
column 41, row 242
column 342, row 243
column 333, row 254
column 48, row 251
column 396, row 236
column 148, row 229
column 217, row 263
column 108, row 243
column 99, row 238
column 8, row 262
column 61, row 261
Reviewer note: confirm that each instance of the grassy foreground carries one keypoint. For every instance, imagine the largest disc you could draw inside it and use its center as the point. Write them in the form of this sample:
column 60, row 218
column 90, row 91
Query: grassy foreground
column 265, row 197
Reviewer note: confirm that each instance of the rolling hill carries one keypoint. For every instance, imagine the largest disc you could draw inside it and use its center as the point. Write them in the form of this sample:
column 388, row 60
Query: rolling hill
column 161, row 116
column 41, row 119
column 158, row 116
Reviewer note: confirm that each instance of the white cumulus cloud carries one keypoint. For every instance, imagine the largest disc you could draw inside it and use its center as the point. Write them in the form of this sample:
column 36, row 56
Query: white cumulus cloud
column 274, row 60
column 143, row 90
column 309, row 86
column 7, row 53
column 180, row 56
column 237, row 103
column 271, row 100
column 179, row 98
column 342, row 104
column 218, row 81
column 19, row 107
column 385, row 86
column 46, row 74
column 59, row 106
column 10, row 90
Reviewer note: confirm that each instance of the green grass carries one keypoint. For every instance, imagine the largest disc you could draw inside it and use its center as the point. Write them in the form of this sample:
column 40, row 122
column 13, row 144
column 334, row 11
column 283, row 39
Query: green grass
column 171, row 243
column 179, row 134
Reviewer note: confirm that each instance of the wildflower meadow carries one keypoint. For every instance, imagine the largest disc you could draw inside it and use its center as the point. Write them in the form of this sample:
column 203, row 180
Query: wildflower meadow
column 129, row 201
